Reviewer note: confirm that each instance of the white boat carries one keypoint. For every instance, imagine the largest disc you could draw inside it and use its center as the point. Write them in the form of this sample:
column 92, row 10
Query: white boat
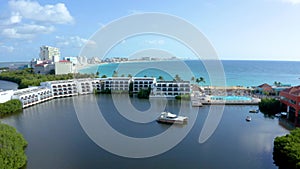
column 253, row 111
column 167, row 117
column 248, row 118
column 196, row 103
column 278, row 115
column 283, row 114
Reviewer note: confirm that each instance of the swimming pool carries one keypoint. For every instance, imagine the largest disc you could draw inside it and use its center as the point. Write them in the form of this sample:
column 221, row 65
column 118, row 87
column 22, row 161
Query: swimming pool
column 231, row 98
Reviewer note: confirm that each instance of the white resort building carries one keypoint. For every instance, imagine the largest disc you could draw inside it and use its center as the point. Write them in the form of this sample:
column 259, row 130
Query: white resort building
column 63, row 88
column 170, row 88
column 116, row 84
column 96, row 84
column 6, row 95
column 85, row 86
column 33, row 95
column 142, row 83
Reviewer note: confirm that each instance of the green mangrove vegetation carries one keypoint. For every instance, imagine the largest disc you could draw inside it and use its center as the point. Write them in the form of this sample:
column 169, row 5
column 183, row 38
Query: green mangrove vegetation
column 183, row 97
column 27, row 77
column 286, row 152
column 269, row 106
column 12, row 145
column 144, row 93
column 9, row 107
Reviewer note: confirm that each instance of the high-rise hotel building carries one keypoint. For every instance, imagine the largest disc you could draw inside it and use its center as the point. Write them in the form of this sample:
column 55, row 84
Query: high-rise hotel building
column 49, row 53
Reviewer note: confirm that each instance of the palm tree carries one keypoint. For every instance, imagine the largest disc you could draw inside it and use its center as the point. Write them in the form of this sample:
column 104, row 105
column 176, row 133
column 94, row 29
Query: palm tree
column 97, row 74
column 160, row 78
column 200, row 80
column 177, row 78
column 129, row 75
column 277, row 83
column 193, row 79
column 115, row 73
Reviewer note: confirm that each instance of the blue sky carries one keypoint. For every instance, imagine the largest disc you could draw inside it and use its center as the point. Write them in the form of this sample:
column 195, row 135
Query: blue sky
column 239, row 30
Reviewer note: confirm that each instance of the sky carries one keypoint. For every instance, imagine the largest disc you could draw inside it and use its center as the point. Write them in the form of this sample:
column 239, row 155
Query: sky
column 238, row 30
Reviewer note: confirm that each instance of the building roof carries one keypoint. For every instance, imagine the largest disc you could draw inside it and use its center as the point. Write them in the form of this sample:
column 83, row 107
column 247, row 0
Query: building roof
column 41, row 65
column 293, row 90
column 266, row 87
column 64, row 61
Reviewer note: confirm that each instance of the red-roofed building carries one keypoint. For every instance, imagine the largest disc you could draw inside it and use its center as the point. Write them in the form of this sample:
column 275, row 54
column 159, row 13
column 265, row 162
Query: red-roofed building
column 265, row 88
column 290, row 98
column 43, row 68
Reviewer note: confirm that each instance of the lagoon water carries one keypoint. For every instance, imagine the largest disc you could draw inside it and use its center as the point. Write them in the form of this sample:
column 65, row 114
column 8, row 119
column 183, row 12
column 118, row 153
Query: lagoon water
column 6, row 85
column 57, row 140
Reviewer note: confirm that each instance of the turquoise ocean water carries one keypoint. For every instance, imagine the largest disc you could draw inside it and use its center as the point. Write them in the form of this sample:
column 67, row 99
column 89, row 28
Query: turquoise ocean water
column 237, row 73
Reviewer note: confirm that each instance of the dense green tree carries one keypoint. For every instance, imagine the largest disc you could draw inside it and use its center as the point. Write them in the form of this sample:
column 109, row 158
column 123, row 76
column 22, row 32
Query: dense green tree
column 27, row 77
column 269, row 106
column 144, row 93
column 12, row 145
column 4, row 68
column 286, row 152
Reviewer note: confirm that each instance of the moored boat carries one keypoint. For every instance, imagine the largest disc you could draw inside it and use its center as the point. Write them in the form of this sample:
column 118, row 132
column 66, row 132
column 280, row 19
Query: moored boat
column 253, row 111
column 248, row 118
column 167, row 117
column 196, row 103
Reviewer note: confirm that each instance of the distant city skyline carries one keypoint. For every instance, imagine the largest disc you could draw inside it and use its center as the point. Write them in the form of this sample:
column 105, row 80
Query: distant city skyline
column 238, row 30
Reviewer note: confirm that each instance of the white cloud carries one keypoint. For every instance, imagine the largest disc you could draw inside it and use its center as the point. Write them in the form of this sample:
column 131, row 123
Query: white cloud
column 32, row 10
column 26, row 31
column 28, row 19
column 294, row 2
column 15, row 18
column 73, row 41
column 6, row 49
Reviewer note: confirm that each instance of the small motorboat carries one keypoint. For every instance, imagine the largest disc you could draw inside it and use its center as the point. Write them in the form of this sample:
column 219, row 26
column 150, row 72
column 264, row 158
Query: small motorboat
column 253, row 111
column 248, row 118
